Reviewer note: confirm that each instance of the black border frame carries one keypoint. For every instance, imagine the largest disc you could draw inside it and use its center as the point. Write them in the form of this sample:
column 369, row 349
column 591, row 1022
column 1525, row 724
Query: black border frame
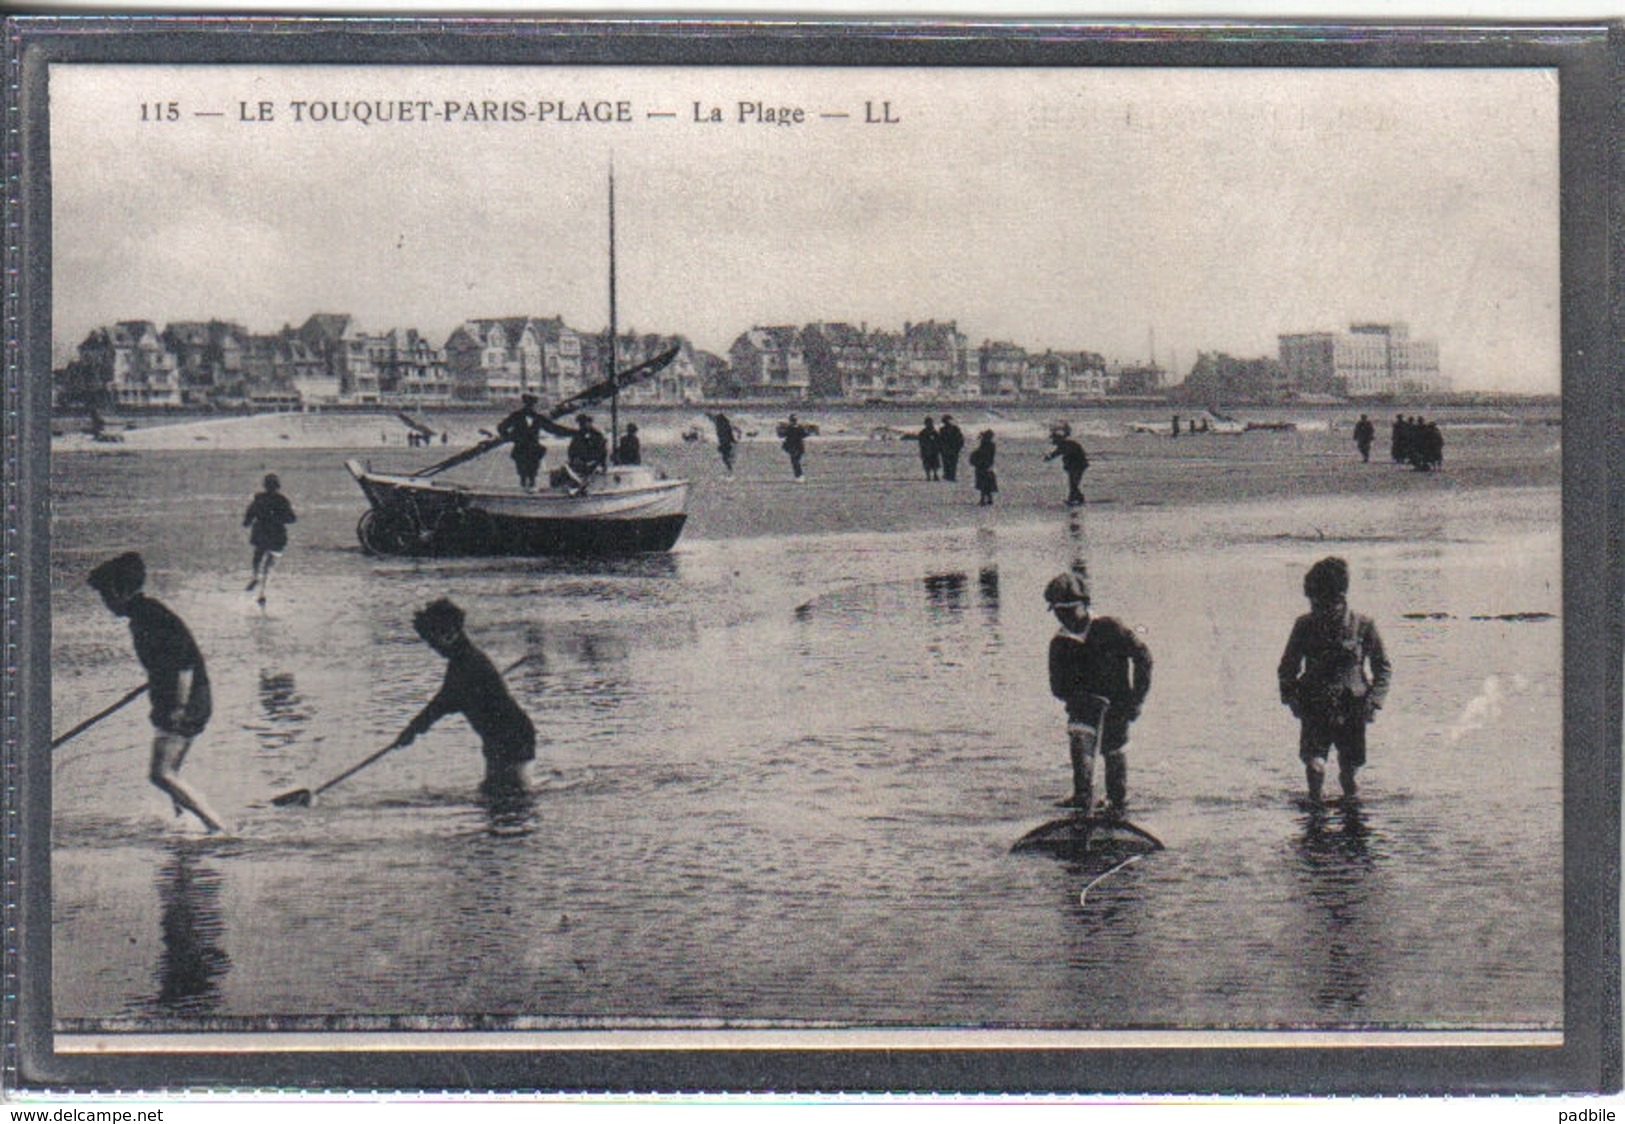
column 1590, row 59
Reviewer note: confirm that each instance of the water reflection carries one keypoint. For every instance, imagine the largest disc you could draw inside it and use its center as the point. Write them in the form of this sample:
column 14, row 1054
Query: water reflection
column 285, row 714
column 1335, row 866
column 945, row 594
column 192, row 961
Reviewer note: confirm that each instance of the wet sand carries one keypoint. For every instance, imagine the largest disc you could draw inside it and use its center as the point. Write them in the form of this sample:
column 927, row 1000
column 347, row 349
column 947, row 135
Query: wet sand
column 782, row 768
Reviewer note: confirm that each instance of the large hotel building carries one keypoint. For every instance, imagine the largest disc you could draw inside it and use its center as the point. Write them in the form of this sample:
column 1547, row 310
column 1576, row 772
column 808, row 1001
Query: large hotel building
column 1366, row 361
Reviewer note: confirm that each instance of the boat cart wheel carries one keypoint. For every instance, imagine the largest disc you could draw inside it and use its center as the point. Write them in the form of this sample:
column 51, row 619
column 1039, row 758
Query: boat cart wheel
column 383, row 533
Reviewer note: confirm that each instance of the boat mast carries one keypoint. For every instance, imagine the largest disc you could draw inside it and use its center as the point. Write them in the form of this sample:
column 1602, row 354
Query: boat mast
column 615, row 391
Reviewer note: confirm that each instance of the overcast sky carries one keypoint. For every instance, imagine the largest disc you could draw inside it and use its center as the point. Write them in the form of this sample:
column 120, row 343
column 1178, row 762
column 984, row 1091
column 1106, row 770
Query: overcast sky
column 1113, row 210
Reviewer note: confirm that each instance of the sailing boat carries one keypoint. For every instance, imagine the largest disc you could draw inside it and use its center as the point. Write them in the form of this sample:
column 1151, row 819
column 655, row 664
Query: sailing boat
column 621, row 509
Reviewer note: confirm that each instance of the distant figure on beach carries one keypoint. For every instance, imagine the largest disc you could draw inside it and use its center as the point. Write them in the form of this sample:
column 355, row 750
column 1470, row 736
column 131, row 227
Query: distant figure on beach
column 588, row 450
column 630, row 450
column 1324, row 680
column 1174, row 429
column 523, row 429
column 1073, row 459
column 177, row 680
column 981, row 460
column 474, row 688
column 1399, row 444
column 950, row 443
column 1364, row 434
column 267, row 519
column 727, row 438
column 793, row 440
column 930, row 449
column 1426, row 446
column 1102, row 672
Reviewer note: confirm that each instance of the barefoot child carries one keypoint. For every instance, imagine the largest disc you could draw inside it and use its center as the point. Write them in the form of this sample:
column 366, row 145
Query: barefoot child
column 177, row 681
column 267, row 521
column 1102, row 671
column 474, row 688
column 1324, row 681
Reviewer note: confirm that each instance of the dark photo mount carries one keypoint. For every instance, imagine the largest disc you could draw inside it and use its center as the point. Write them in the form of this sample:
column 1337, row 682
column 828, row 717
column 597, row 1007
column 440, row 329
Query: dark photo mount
column 289, row 1054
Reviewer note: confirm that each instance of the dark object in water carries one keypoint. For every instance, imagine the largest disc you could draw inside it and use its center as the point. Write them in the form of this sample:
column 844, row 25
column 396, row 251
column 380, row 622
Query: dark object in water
column 1516, row 617
column 1078, row 835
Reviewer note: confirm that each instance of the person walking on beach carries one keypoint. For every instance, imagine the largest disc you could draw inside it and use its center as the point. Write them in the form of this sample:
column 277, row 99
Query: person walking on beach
column 523, row 429
column 1324, row 679
column 474, row 688
column 177, row 679
column 267, row 519
column 930, row 449
column 1102, row 672
column 1364, row 434
column 1073, row 459
column 950, row 442
column 793, row 440
column 727, row 437
column 630, row 450
column 981, row 461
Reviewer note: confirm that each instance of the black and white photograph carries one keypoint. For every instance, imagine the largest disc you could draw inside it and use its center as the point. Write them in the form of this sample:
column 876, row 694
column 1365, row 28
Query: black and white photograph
column 644, row 545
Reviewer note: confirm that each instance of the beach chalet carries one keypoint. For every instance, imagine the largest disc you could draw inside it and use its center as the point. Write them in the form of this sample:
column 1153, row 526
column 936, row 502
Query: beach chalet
column 347, row 355
column 411, row 370
column 208, row 357
column 844, row 361
column 934, row 362
column 770, row 362
column 678, row 381
column 497, row 360
column 1000, row 369
column 130, row 360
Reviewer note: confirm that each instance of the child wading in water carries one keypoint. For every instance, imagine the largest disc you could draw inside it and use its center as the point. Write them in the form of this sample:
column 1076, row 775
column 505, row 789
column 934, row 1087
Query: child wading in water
column 177, row 681
column 1102, row 671
column 1323, row 677
column 474, row 688
column 267, row 519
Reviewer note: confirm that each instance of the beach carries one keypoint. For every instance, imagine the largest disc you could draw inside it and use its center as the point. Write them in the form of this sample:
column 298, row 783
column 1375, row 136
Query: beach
column 780, row 768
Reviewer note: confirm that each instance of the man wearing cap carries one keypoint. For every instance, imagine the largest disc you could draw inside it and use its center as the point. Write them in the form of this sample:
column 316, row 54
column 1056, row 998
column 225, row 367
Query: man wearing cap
column 1073, row 459
column 793, row 440
column 1102, row 672
column 1324, row 681
column 588, row 450
column 474, row 688
column 177, row 681
column 523, row 429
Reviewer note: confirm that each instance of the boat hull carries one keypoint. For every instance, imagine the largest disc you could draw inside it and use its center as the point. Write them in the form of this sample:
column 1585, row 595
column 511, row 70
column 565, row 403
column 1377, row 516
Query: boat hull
column 624, row 511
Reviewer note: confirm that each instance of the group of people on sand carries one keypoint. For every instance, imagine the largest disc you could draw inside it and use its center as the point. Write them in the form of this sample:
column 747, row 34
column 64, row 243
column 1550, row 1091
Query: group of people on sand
column 1333, row 675
column 1416, row 442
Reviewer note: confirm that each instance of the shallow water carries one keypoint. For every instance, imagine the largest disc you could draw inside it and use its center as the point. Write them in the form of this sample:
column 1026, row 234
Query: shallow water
column 780, row 774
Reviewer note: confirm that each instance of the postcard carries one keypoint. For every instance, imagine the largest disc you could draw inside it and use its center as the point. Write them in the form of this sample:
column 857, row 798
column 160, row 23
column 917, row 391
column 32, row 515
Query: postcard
column 633, row 554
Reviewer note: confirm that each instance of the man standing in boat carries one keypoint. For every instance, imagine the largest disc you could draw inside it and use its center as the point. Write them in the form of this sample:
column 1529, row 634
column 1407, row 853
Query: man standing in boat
column 522, row 429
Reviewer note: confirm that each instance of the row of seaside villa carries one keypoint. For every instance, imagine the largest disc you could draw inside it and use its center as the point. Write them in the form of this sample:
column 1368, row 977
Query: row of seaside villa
column 329, row 361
